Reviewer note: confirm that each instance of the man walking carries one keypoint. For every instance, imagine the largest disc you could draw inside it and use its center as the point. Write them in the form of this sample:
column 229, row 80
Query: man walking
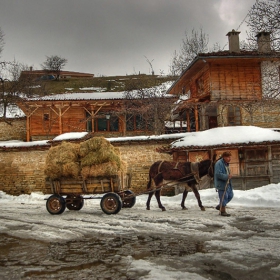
column 222, row 182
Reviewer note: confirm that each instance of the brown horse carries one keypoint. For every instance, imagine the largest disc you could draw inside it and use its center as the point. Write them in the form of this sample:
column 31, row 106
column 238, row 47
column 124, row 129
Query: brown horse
column 186, row 172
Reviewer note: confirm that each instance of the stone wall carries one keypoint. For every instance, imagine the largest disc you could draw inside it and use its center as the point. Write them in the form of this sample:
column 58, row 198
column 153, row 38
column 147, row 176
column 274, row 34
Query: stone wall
column 13, row 129
column 22, row 169
column 259, row 114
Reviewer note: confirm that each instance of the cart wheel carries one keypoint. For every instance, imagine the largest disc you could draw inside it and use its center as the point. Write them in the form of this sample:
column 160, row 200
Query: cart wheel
column 129, row 202
column 111, row 203
column 74, row 202
column 55, row 204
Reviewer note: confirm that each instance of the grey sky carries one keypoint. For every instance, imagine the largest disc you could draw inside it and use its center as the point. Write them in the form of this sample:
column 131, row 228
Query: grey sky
column 112, row 37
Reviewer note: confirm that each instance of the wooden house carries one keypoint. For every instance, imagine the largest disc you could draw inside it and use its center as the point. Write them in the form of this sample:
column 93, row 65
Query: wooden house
column 255, row 152
column 102, row 113
column 234, row 87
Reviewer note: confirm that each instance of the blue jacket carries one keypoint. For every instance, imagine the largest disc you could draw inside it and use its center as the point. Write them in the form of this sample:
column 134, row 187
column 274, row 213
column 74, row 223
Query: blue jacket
column 221, row 175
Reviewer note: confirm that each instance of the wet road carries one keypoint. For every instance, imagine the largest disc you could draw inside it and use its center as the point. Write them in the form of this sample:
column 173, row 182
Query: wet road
column 138, row 244
column 91, row 258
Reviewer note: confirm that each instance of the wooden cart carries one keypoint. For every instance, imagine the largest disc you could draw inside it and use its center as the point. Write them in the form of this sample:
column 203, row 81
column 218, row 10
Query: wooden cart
column 69, row 193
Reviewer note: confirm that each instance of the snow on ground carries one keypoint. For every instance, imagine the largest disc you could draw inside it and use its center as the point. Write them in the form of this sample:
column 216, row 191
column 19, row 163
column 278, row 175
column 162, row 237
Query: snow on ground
column 246, row 241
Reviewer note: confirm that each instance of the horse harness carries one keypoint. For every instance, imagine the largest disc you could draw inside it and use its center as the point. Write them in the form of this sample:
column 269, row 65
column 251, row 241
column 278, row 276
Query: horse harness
column 194, row 171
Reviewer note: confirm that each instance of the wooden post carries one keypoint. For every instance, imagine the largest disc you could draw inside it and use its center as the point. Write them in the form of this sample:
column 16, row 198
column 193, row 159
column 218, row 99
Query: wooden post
column 27, row 128
column 196, row 119
column 270, row 169
column 92, row 120
column 60, row 120
column 188, row 120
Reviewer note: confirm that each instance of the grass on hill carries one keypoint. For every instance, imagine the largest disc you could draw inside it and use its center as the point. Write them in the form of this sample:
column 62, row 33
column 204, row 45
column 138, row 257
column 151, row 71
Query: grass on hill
column 97, row 84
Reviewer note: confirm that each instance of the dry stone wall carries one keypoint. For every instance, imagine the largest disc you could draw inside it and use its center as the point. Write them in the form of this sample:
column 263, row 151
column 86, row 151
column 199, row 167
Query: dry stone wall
column 22, row 169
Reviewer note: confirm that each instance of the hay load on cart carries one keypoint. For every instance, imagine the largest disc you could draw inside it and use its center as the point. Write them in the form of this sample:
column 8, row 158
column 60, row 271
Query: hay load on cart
column 91, row 167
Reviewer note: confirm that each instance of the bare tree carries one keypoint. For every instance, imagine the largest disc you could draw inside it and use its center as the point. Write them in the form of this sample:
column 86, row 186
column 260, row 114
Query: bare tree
column 146, row 107
column 192, row 44
column 2, row 42
column 264, row 16
column 151, row 65
column 54, row 64
column 13, row 88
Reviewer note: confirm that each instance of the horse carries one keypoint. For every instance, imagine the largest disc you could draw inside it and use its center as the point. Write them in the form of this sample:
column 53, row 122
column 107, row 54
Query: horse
column 186, row 172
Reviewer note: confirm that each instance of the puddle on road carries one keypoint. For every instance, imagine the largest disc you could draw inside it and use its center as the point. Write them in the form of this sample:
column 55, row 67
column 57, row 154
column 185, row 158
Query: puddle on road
column 101, row 257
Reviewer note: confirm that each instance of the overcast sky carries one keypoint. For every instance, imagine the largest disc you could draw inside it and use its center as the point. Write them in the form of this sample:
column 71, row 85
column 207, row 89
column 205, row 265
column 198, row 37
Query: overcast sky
column 113, row 37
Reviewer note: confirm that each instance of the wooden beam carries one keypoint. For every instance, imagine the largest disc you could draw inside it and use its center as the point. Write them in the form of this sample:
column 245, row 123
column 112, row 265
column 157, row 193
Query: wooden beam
column 27, row 128
column 196, row 119
column 28, row 125
column 60, row 120
column 188, row 121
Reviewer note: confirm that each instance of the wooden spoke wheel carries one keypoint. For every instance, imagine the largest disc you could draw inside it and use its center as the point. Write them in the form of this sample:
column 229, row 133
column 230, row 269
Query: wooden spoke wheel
column 111, row 203
column 74, row 202
column 128, row 199
column 55, row 204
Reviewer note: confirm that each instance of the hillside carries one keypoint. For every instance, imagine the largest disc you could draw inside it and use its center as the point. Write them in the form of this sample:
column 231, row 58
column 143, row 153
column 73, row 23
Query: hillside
column 97, row 84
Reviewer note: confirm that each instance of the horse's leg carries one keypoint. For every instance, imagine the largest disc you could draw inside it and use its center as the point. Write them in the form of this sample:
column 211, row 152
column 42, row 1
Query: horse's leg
column 157, row 194
column 198, row 197
column 185, row 194
column 149, row 200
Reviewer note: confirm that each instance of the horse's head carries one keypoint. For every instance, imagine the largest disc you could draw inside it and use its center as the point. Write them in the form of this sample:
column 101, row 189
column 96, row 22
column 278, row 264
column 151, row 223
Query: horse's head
column 207, row 167
column 211, row 167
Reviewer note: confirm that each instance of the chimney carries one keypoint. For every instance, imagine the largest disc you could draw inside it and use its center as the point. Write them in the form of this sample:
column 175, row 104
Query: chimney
column 233, row 41
column 30, row 68
column 263, row 40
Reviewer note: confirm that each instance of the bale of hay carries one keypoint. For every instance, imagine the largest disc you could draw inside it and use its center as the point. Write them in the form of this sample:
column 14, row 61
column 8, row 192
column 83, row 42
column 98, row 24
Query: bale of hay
column 91, row 158
column 99, row 157
column 103, row 169
column 98, row 150
column 94, row 144
column 63, row 161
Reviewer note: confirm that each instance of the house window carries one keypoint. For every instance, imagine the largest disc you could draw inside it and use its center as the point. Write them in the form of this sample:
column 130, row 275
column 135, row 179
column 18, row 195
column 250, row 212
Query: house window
column 114, row 123
column 46, row 117
column 234, row 116
column 101, row 123
column 104, row 124
column 135, row 122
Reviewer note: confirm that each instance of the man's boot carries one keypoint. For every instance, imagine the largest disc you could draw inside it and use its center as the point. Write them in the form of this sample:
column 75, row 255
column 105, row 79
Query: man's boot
column 223, row 212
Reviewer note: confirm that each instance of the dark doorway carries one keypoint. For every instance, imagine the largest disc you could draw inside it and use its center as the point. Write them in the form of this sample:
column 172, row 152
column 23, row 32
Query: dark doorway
column 213, row 122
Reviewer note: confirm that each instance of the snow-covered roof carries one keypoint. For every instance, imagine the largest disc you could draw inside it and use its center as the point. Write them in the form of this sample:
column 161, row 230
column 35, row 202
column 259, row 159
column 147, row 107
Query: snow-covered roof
column 85, row 135
column 227, row 135
column 70, row 136
column 85, row 96
column 80, row 135
column 18, row 144
column 82, row 96
column 212, row 137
